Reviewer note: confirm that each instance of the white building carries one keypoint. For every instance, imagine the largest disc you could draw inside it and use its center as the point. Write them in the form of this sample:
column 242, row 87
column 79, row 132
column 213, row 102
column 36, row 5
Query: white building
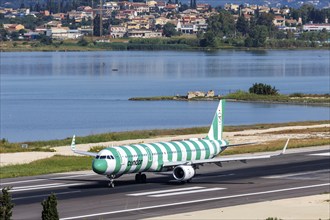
column 316, row 27
column 63, row 33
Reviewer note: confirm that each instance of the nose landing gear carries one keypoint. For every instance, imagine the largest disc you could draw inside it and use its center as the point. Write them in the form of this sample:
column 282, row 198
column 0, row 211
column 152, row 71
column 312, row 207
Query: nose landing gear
column 139, row 178
column 111, row 183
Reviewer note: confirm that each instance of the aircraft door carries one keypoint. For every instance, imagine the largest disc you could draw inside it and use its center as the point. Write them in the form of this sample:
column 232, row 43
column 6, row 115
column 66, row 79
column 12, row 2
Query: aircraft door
column 149, row 154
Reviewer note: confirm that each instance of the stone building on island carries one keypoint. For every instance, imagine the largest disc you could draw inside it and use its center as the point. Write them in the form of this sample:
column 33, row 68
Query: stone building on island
column 199, row 94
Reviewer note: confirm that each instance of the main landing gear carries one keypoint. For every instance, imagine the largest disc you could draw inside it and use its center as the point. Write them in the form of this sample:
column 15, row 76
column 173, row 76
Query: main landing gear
column 140, row 178
column 111, row 183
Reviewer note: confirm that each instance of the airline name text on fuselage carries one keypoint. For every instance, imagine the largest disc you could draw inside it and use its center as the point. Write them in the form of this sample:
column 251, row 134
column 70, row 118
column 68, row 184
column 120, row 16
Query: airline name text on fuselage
column 134, row 162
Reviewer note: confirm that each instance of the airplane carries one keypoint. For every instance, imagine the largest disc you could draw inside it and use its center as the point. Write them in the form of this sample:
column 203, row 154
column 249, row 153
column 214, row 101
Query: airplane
column 180, row 157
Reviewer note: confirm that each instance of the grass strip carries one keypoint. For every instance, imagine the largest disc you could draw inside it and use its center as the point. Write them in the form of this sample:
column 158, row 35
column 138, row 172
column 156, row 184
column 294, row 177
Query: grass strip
column 7, row 147
column 296, row 98
column 301, row 131
column 55, row 164
column 273, row 125
column 276, row 145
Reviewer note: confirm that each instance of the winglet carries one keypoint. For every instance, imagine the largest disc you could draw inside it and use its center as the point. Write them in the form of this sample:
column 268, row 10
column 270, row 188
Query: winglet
column 73, row 143
column 285, row 146
column 73, row 148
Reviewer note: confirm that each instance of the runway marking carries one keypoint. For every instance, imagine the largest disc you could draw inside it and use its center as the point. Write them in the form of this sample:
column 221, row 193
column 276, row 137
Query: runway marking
column 22, row 181
column 214, row 176
column 326, row 154
column 78, row 175
column 165, row 191
column 37, row 196
column 187, row 192
column 195, row 201
column 53, row 178
column 34, row 186
column 296, row 174
column 46, row 186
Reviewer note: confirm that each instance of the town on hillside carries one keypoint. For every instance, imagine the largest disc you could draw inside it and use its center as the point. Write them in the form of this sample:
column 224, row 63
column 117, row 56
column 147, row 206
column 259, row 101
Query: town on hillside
column 248, row 25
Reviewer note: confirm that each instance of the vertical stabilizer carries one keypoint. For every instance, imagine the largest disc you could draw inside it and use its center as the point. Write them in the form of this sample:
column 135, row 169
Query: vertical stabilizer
column 215, row 132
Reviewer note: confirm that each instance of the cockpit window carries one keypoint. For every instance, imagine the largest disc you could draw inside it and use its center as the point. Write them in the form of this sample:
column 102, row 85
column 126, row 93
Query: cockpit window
column 109, row 157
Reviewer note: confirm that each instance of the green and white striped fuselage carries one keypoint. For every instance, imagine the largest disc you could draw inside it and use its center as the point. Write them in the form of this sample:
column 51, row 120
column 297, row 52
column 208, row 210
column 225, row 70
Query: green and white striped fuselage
column 151, row 157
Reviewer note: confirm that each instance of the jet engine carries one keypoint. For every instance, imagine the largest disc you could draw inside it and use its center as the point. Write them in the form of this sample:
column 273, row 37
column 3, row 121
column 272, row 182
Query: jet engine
column 183, row 172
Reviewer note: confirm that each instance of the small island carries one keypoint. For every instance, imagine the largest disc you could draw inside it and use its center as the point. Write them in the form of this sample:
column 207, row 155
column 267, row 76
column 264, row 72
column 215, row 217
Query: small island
column 191, row 96
column 259, row 92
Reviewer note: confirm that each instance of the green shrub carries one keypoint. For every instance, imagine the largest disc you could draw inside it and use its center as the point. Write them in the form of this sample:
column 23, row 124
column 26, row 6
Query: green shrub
column 6, row 205
column 82, row 42
column 263, row 89
column 49, row 208
column 297, row 94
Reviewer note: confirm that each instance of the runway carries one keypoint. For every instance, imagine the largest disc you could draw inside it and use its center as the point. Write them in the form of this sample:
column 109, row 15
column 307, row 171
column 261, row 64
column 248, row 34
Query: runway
column 86, row 195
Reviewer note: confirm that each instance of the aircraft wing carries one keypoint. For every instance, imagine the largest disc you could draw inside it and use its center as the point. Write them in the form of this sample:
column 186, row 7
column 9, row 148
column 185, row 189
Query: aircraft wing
column 73, row 148
column 85, row 153
column 228, row 159
column 237, row 145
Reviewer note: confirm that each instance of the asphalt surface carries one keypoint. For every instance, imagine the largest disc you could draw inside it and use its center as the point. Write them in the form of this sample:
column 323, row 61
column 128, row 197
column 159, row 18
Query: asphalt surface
column 85, row 195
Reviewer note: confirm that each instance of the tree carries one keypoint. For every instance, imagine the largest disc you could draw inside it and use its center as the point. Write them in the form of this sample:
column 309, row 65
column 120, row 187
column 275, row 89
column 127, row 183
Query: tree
column 45, row 39
column 323, row 35
column 3, row 33
column 14, row 35
column 242, row 25
column 6, row 205
column 49, row 208
column 266, row 19
column 82, row 42
column 96, row 25
column 289, row 35
column 263, row 89
column 169, row 30
column 305, row 11
column 221, row 24
column 281, row 35
column 259, row 35
column 210, row 40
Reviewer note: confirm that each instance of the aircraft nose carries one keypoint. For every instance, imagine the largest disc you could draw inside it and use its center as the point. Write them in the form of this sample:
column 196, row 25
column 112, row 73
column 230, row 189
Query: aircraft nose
column 100, row 166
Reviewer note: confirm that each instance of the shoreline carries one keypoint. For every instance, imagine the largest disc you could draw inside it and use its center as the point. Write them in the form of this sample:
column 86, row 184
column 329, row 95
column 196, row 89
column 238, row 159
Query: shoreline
column 157, row 132
column 74, row 47
column 305, row 102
